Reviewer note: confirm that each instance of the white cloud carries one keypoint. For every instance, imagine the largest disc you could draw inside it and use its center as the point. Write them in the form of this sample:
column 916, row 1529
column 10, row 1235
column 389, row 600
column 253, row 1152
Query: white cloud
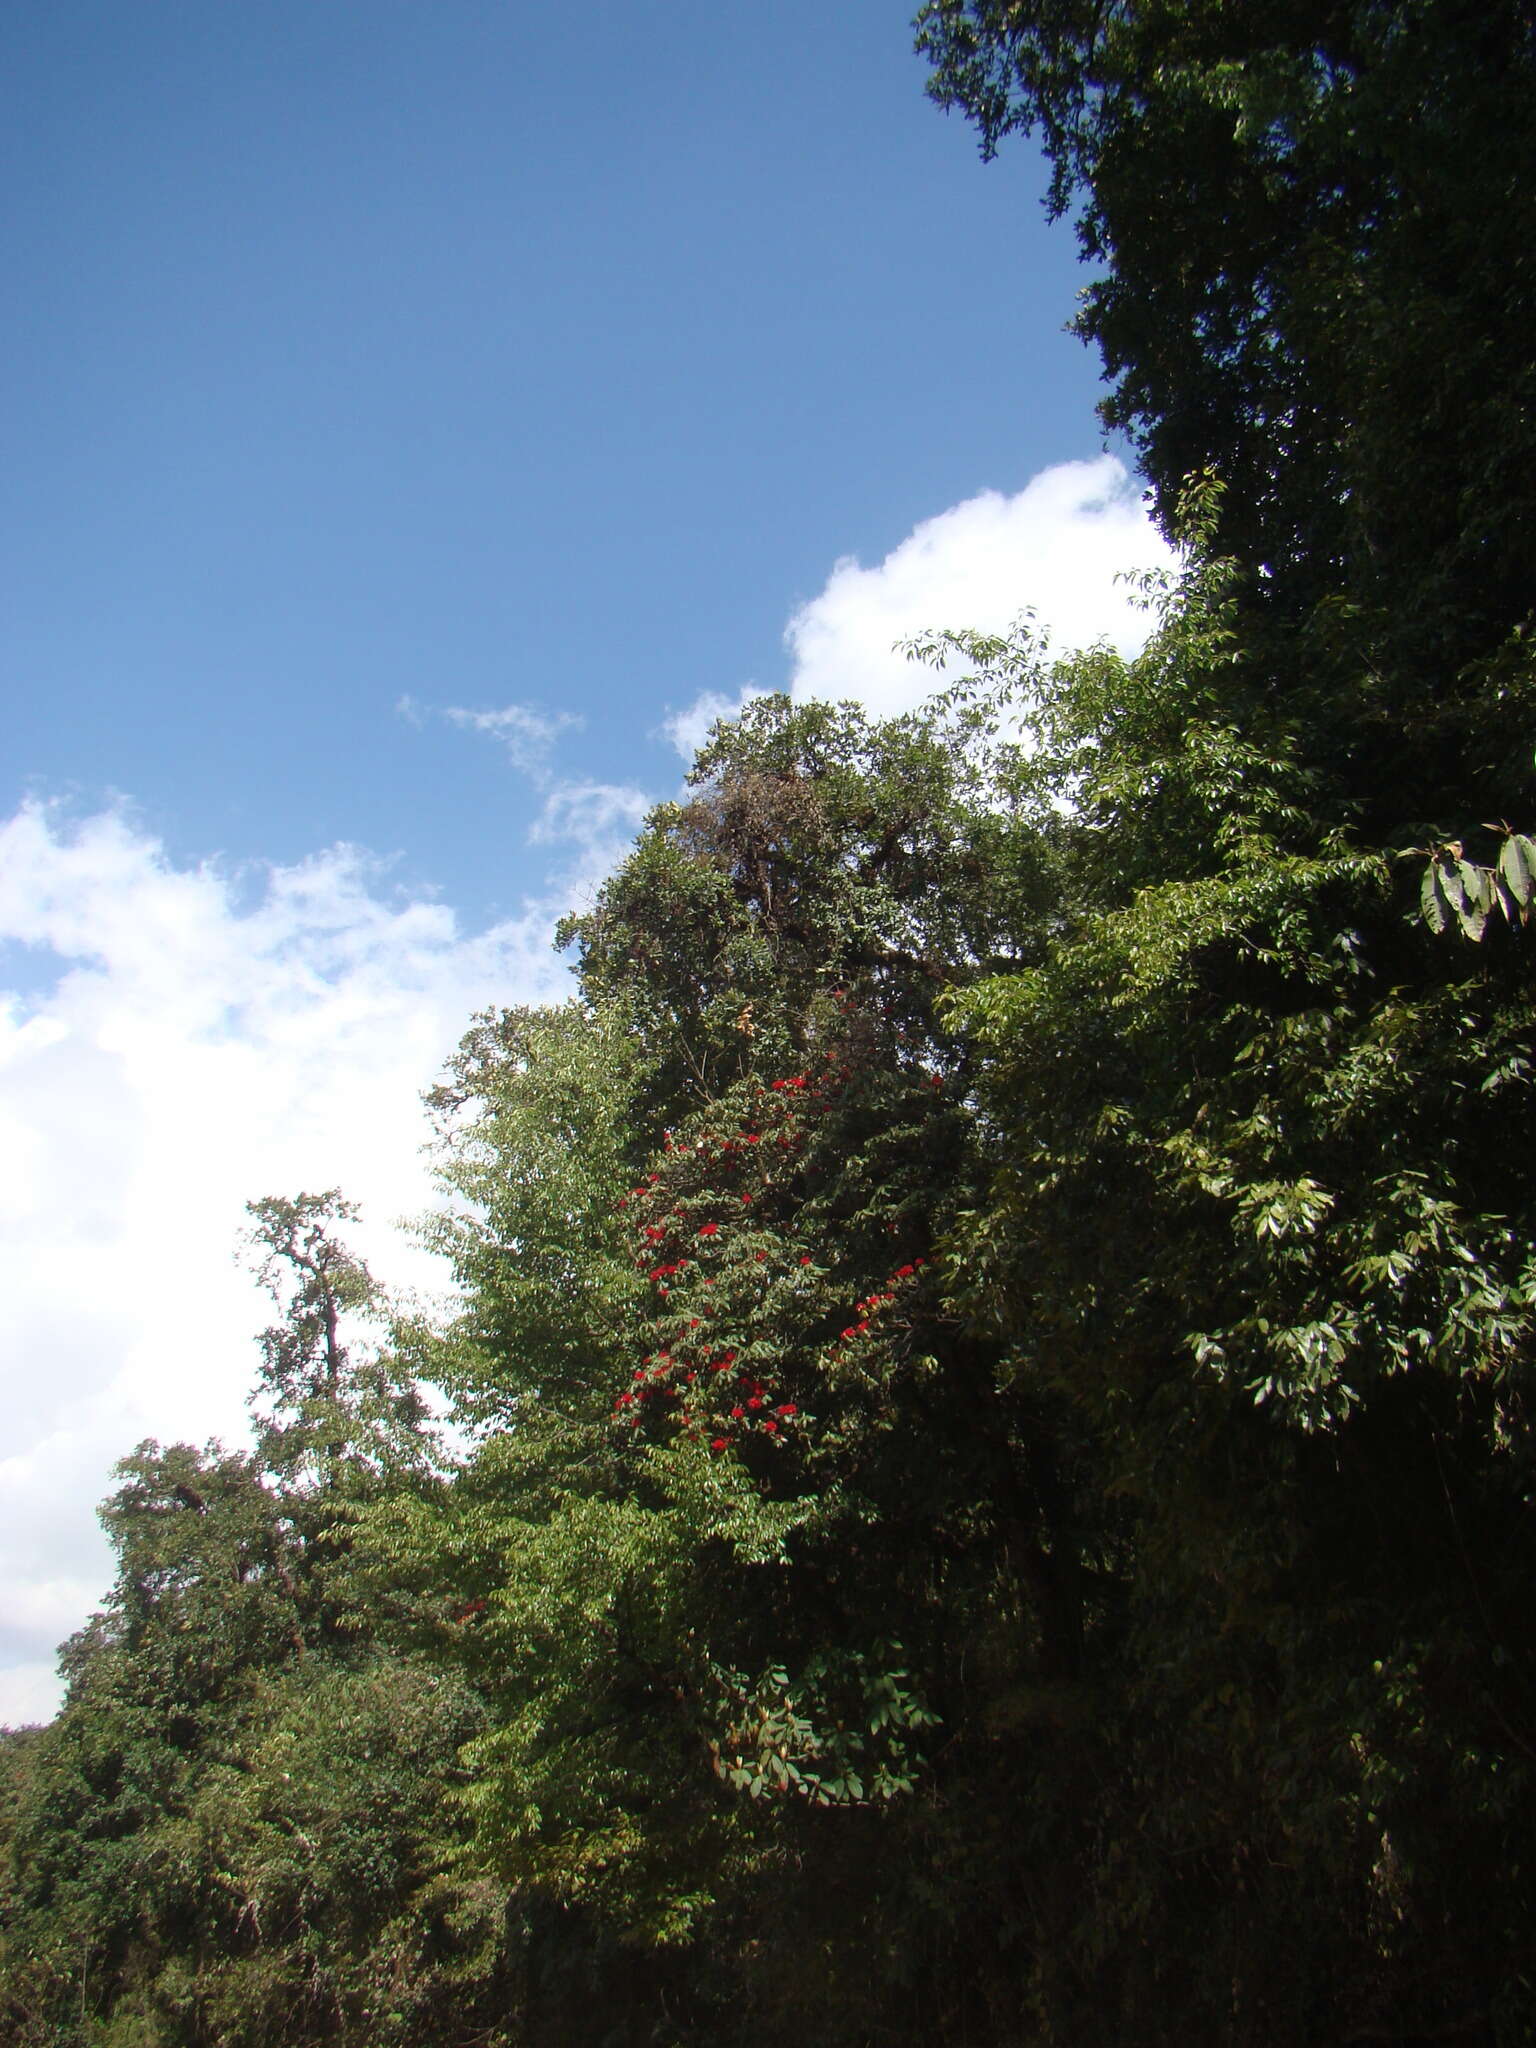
column 690, row 728
column 595, row 823
column 201, row 1038
column 528, row 735
column 599, row 817
column 1053, row 549
column 28, row 1693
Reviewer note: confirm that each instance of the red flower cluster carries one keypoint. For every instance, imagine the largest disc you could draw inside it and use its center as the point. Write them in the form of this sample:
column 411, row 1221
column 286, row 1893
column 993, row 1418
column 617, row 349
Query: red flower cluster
column 872, row 1305
column 705, row 1171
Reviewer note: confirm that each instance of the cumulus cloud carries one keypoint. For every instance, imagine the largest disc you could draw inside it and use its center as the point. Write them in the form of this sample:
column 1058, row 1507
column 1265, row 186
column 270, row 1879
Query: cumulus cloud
column 1053, row 549
column 193, row 1038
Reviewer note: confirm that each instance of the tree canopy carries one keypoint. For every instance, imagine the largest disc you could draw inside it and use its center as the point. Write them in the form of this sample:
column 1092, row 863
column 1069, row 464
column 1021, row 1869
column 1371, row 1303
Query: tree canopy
column 1311, row 228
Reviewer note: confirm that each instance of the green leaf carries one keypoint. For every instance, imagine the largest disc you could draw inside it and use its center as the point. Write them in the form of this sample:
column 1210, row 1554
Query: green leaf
column 1471, row 908
column 1433, row 901
column 1517, row 869
column 1506, row 900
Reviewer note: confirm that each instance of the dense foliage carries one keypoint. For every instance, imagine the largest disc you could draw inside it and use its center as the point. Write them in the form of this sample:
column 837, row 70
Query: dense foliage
column 240, row 1829
column 991, row 1383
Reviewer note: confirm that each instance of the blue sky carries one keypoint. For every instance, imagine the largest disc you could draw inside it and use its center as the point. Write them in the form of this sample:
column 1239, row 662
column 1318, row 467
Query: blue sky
column 417, row 420
column 472, row 353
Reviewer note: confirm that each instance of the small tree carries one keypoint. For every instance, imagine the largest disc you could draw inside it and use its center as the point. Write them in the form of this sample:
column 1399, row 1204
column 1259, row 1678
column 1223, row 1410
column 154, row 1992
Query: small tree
column 330, row 1412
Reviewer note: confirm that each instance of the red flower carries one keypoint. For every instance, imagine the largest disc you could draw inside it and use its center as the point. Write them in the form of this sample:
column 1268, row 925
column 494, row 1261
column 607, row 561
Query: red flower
column 708, row 1229
column 905, row 1272
column 788, row 1408
column 738, row 1413
column 771, row 1426
column 805, row 1258
column 719, row 1444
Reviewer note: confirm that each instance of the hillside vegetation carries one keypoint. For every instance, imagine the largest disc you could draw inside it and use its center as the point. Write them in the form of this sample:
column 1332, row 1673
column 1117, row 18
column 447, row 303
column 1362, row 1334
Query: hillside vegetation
column 997, row 1329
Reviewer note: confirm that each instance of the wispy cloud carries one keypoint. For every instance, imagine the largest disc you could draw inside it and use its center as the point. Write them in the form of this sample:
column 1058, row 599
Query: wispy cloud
column 690, row 728
column 590, row 814
column 527, row 734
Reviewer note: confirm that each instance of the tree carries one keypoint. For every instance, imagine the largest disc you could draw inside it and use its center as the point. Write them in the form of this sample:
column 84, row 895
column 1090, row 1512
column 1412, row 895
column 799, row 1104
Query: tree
column 1292, row 1130
column 239, row 1830
column 747, row 1501
column 1313, row 227
column 1261, row 1220
column 327, row 1413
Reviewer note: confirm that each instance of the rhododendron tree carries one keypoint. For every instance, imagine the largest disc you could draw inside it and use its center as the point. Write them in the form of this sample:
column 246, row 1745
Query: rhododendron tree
column 731, row 1444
